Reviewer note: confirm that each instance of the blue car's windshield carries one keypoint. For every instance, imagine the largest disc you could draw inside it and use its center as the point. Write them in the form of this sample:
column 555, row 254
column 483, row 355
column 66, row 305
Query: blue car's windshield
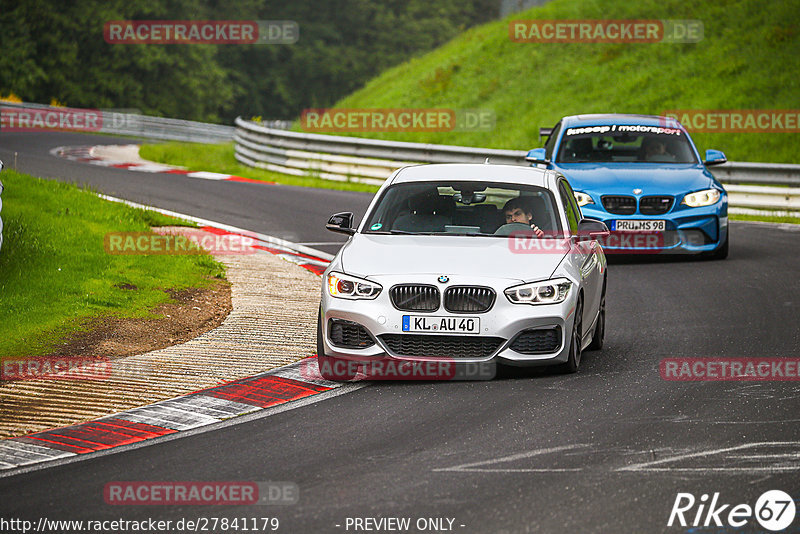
column 462, row 208
column 625, row 143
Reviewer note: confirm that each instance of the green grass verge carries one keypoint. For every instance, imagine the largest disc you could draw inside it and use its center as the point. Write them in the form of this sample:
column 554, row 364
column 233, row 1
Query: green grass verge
column 219, row 158
column 55, row 274
column 741, row 63
column 762, row 218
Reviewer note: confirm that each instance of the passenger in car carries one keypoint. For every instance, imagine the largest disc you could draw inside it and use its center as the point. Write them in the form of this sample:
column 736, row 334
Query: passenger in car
column 518, row 210
column 656, row 150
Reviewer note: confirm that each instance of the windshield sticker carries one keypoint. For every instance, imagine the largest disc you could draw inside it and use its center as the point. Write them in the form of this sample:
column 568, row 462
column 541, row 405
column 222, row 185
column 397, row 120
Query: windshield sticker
column 626, row 128
column 376, row 226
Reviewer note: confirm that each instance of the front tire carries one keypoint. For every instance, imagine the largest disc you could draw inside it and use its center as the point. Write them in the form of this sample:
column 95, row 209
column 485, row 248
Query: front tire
column 722, row 252
column 574, row 357
column 600, row 327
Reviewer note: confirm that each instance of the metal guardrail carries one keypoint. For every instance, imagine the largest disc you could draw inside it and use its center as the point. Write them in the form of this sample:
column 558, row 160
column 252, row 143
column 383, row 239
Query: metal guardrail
column 372, row 161
column 129, row 122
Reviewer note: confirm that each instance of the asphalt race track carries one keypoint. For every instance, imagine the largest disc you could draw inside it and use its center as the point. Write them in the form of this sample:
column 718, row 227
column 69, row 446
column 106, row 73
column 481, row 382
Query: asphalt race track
column 297, row 214
column 605, row 450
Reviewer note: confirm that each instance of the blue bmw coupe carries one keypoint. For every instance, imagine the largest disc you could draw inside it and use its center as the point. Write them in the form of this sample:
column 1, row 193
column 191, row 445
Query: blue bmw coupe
column 643, row 176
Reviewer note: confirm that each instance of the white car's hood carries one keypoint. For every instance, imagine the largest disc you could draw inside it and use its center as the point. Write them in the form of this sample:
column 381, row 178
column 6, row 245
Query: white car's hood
column 368, row 255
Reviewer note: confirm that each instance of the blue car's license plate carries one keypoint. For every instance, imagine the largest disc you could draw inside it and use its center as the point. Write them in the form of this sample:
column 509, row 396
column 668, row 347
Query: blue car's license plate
column 637, row 225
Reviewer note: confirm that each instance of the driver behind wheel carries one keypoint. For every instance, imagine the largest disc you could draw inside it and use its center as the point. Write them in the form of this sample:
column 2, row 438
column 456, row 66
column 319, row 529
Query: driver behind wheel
column 518, row 210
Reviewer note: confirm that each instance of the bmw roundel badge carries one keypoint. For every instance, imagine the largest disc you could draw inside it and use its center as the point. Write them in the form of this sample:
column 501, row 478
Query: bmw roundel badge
column 443, row 279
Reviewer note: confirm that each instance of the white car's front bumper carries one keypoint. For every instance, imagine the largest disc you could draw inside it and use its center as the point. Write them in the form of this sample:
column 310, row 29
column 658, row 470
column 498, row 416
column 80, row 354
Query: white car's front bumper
column 504, row 320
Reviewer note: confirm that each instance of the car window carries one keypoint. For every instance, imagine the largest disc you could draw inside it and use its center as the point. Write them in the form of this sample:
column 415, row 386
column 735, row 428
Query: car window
column 459, row 208
column 571, row 209
column 551, row 142
column 625, row 143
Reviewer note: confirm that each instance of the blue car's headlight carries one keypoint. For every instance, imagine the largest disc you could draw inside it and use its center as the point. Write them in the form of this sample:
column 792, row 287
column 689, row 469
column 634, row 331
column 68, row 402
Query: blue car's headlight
column 344, row 286
column 706, row 197
column 546, row 292
column 583, row 198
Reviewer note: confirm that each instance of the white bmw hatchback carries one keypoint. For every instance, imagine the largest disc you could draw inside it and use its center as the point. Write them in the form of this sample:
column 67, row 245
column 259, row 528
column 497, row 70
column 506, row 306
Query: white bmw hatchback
column 463, row 264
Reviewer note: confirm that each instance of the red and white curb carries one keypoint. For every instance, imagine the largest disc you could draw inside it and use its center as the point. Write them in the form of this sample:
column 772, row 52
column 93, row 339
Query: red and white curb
column 284, row 385
column 292, row 383
column 87, row 154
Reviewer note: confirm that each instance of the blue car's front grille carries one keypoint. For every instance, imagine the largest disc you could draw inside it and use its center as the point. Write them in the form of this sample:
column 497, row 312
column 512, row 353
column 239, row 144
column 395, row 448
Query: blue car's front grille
column 619, row 204
column 655, row 205
column 626, row 205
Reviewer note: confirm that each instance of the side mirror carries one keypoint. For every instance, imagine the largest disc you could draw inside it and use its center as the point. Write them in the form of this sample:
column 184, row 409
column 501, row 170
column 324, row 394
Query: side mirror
column 537, row 155
column 590, row 229
column 342, row 223
column 715, row 157
column 1, row 165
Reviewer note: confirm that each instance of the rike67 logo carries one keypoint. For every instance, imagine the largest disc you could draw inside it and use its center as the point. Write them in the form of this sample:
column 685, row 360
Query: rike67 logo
column 774, row 510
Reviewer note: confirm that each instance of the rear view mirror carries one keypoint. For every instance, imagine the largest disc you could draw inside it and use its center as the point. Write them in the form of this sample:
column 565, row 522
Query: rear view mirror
column 342, row 223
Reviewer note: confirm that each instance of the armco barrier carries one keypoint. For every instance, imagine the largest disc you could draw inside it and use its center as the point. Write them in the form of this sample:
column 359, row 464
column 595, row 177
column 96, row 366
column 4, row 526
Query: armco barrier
column 371, row 161
column 123, row 123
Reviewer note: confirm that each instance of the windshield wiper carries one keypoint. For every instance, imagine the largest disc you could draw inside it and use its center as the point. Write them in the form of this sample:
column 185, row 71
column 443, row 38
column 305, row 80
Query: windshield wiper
column 398, row 232
column 479, row 234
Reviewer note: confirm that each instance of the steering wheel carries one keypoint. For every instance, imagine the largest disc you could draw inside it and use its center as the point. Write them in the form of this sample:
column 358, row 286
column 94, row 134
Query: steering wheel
column 508, row 229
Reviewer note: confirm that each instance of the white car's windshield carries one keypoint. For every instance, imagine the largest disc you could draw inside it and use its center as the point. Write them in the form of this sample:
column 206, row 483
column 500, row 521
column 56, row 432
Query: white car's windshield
column 463, row 208
column 625, row 143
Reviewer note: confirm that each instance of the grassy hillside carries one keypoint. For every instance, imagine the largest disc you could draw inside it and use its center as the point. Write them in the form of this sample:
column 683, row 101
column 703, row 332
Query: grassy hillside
column 747, row 60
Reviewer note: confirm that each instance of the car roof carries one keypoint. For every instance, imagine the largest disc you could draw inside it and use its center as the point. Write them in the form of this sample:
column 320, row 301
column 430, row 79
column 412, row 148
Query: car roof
column 473, row 172
column 600, row 119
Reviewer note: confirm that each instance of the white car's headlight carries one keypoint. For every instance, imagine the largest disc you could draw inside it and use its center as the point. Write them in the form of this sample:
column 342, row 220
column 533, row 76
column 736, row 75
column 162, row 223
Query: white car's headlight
column 583, row 198
column 706, row 197
column 349, row 287
column 546, row 292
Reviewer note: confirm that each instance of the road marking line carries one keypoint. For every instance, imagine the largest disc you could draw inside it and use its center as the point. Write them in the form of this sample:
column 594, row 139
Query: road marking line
column 474, row 467
column 648, row 466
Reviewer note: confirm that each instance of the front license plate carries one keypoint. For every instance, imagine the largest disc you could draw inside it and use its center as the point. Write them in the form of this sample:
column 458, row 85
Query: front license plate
column 628, row 225
column 427, row 323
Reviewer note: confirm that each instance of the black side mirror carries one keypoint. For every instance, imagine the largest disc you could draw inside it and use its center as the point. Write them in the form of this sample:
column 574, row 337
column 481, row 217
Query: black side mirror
column 589, row 229
column 342, row 223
